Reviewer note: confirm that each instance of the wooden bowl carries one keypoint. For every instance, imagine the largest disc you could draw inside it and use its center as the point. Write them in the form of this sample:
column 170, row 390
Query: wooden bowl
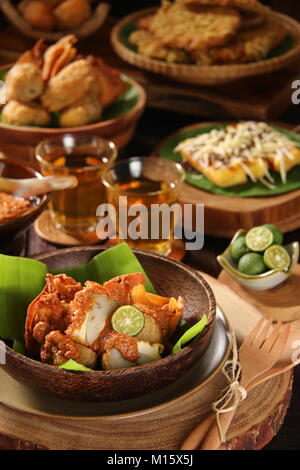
column 9, row 230
column 207, row 74
column 22, row 140
column 170, row 278
column 87, row 28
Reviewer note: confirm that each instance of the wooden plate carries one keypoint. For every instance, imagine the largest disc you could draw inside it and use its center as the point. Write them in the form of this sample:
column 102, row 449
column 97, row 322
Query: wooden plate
column 224, row 215
column 206, row 75
column 93, row 23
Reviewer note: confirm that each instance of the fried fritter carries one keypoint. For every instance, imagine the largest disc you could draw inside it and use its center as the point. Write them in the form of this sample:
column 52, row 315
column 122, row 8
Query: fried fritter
column 85, row 111
column 69, row 85
column 72, row 13
column 252, row 19
column 150, row 46
column 178, row 26
column 247, row 46
column 250, row 5
column 38, row 14
column 24, row 82
column 21, row 114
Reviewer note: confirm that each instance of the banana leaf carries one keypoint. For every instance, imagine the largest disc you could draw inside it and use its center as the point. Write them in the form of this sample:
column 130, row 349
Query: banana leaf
column 22, row 279
column 243, row 190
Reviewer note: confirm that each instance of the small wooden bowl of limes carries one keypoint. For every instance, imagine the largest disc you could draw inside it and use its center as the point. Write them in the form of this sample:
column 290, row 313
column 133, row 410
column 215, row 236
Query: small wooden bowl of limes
column 257, row 258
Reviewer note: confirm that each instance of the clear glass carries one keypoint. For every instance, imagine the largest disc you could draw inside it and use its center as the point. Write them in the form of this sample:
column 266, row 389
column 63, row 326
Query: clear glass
column 148, row 181
column 86, row 157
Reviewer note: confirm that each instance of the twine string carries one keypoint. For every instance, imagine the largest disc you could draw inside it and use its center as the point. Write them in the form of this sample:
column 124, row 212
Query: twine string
column 234, row 393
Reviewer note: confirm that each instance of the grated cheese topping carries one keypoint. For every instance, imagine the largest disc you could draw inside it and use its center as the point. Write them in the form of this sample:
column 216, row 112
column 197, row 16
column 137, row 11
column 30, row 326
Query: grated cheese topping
column 241, row 144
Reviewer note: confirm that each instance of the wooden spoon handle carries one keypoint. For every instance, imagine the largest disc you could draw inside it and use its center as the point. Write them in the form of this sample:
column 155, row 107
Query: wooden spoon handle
column 212, row 440
column 198, row 434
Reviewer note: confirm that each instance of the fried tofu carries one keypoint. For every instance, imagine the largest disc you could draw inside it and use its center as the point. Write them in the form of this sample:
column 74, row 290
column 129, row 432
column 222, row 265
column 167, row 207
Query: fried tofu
column 247, row 46
column 178, row 26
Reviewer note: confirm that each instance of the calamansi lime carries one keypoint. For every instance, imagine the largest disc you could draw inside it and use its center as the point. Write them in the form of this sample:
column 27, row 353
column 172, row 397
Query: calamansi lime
column 252, row 264
column 259, row 238
column 239, row 248
column 128, row 320
column 276, row 257
column 277, row 234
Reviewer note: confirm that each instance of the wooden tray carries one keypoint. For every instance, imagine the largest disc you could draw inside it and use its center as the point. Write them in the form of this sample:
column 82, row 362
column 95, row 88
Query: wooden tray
column 224, row 215
column 207, row 74
column 256, row 422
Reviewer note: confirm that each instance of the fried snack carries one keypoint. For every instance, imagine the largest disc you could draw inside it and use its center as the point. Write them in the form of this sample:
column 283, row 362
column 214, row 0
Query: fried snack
column 177, row 26
column 35, row 55
column 248, row 5
column 247, row 46
column 24, row 82
column 58, row 56
column 150, row 46
column 69, row 85
column 72, row 13
column 38, row 14
column 85, row 111
column 108, row 81
column 21, row 114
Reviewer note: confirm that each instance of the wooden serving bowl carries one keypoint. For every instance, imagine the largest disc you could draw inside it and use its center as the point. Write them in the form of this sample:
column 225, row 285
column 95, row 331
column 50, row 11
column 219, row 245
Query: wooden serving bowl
column 21, row 141
column 170, row 278
column 10, row 230
column 206, row 74
column 87, row 28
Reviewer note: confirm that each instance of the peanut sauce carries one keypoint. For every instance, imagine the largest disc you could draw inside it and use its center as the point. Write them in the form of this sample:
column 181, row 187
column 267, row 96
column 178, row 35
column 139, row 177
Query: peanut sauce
column 108, row 339
column 12, row 208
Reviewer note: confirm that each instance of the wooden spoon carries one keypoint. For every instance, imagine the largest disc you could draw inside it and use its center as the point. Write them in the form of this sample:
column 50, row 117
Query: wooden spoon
column 34, row 186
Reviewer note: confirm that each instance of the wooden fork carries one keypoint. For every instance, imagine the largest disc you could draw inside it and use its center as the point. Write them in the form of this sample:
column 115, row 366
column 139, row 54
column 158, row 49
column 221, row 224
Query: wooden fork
column 258, row 354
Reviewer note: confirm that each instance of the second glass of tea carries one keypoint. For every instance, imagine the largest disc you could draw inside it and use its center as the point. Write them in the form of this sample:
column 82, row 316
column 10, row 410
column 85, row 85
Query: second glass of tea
column 86, row 157
column 149, row 182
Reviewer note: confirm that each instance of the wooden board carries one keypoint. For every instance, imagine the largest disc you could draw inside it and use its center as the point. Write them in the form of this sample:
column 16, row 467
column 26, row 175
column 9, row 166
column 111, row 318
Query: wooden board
column 257, row 420
column 264, row 98
column 224, row 215
column 280, row 303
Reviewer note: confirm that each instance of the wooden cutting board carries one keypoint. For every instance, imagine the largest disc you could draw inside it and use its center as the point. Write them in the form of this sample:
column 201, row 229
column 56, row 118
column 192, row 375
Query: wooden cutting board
column 258, row 418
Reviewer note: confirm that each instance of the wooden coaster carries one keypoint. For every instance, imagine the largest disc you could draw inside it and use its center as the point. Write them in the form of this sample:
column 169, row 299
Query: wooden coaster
column 45, row 229
column 280, row 303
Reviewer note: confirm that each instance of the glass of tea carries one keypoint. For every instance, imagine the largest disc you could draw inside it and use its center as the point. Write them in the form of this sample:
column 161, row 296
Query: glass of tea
column 142, row 193
column 86, row 157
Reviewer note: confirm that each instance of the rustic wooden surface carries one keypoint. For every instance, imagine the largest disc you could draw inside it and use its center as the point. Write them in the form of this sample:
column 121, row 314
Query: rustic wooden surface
column 153, row 127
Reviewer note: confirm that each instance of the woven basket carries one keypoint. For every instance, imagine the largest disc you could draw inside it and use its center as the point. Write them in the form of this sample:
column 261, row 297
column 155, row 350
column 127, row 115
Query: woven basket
column 96, row 20
column 208, row 74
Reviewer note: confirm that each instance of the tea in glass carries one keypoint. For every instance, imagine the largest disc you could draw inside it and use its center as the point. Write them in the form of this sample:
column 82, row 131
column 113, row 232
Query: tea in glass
column 142, row 191
column 86, row 157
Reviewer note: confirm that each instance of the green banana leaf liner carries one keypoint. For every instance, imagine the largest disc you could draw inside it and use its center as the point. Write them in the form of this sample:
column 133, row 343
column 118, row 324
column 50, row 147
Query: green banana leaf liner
column 22, row 280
